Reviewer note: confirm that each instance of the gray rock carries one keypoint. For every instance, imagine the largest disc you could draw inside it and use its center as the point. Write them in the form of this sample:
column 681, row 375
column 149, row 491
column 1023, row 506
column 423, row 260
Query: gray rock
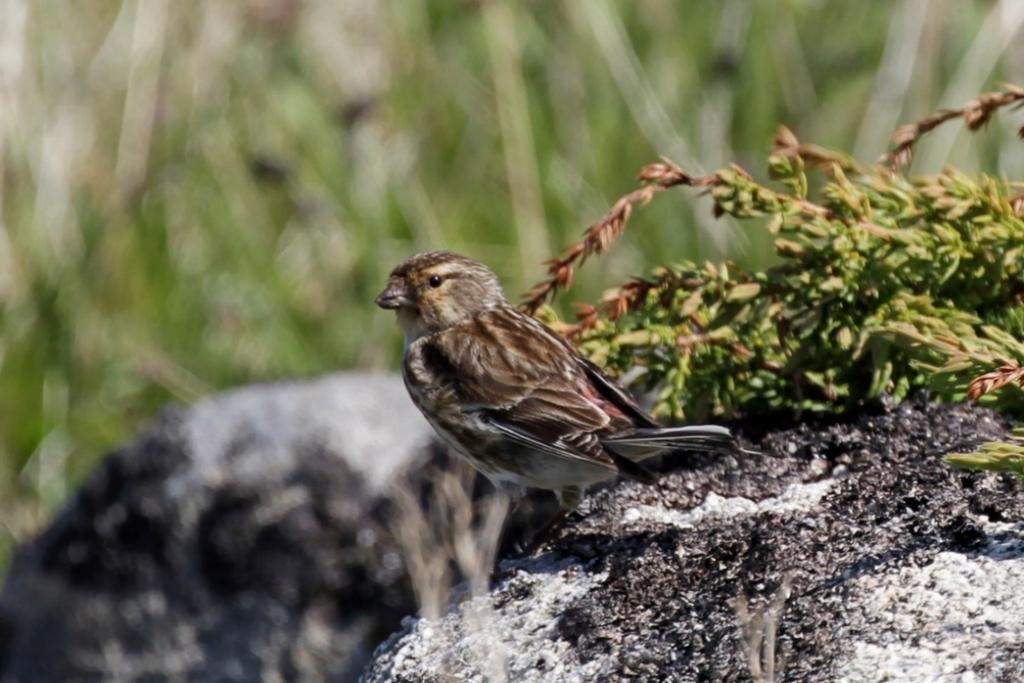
column 900, row 569
column 242, row 539
column 247, row 538
column 955, row 618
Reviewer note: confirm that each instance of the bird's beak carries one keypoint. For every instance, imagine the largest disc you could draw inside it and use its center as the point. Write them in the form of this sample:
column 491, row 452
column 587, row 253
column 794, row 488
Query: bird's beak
column 394, row 296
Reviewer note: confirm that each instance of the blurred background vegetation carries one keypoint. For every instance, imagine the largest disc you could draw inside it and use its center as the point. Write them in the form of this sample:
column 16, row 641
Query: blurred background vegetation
column 195, row 195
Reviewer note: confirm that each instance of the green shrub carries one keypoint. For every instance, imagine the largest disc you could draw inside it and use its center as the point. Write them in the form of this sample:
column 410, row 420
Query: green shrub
column 884, row 284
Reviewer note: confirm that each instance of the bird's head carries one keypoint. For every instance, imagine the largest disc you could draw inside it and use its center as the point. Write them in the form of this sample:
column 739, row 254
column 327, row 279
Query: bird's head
column 437, row 289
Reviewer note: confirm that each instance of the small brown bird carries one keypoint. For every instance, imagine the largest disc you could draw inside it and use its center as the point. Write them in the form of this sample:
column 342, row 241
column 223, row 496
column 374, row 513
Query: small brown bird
column 511, row 395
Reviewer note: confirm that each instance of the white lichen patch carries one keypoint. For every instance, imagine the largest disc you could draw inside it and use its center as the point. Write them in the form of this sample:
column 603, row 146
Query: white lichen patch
column 496, row 637
column 944, row 620
column 795, row 498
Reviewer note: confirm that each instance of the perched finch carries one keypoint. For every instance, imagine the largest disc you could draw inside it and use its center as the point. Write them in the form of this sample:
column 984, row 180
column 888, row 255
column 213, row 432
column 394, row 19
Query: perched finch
column 511, row 395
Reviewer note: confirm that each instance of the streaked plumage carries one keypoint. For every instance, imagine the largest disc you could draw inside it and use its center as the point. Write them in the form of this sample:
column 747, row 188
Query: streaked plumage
column 512, row 396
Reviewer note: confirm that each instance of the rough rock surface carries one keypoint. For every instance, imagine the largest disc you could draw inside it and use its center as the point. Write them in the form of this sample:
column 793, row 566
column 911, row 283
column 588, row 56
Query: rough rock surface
column 247, row 539
column 239, row 540
column 901, row 569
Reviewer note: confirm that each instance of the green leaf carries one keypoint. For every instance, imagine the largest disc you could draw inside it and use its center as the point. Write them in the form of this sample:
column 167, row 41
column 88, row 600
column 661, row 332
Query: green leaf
column 744, row 292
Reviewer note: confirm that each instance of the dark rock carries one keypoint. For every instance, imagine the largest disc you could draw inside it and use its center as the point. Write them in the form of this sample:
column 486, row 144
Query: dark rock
column 900, row 567
column 243, row 539
column 251, row 538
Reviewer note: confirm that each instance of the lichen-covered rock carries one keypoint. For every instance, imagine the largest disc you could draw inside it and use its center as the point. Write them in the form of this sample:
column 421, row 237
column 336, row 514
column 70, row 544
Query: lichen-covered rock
column 239, row 540
column 247, row 538
column 899, row 568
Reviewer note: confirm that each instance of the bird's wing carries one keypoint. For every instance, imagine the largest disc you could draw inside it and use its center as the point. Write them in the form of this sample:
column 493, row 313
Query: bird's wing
column 616, row 394
column 519, row 376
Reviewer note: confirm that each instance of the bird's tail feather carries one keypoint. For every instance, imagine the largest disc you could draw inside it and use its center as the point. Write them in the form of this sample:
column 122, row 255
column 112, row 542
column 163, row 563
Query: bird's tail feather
column 647, row 442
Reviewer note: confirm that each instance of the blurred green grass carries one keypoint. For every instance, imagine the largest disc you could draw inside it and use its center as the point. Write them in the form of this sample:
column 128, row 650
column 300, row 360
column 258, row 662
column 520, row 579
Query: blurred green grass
column 199, row 195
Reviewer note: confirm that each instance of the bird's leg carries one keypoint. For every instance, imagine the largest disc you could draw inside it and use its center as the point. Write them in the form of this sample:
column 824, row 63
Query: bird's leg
column 568, row 500
column 514, row 494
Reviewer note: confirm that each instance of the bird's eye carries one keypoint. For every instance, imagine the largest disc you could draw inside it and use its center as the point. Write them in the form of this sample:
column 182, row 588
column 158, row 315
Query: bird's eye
column 434, row 281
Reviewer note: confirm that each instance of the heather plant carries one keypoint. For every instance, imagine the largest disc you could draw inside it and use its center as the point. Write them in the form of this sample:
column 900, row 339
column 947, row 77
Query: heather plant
column 884, row 284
